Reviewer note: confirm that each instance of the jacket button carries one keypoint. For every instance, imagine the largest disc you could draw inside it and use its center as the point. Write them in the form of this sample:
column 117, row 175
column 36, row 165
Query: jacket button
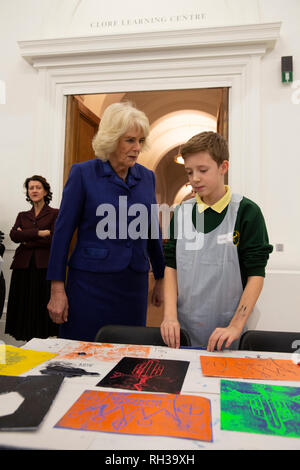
column 128, row 244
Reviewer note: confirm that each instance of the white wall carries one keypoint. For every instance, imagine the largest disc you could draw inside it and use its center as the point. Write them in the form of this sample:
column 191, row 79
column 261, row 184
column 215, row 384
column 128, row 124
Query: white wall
column 280, row 165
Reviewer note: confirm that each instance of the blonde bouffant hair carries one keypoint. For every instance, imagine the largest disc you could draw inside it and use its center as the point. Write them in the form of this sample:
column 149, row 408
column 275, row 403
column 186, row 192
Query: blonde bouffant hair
column 117, row 119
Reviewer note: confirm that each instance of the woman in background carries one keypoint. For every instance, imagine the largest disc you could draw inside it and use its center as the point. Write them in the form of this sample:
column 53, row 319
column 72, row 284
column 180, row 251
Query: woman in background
column 27, row 315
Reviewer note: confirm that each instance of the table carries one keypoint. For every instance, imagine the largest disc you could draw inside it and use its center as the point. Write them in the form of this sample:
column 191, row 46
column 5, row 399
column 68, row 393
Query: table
column 49, row 437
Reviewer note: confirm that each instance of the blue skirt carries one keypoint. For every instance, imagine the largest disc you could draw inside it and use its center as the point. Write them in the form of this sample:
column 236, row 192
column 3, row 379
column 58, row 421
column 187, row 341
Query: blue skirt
column 98, row 299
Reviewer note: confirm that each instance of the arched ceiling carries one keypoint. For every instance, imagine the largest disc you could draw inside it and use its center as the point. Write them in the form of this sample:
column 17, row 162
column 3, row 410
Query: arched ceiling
column 172, row 130
column 174, row 116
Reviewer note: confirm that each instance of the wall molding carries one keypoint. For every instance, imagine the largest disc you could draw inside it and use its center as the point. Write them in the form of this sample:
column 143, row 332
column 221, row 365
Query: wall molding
column 181, row 59
column 37, row 51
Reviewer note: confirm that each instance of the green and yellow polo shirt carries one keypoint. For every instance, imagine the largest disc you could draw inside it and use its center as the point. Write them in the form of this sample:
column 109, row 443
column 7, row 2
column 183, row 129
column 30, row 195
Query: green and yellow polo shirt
column 250, row 233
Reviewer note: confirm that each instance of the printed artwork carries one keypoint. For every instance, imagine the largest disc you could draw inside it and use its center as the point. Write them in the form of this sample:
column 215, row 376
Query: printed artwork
column 250, row 368
column 102, row 352
column 260, row 408
column 141, row 413
column 16, row 361
column 65, row 369
column 153, row 375
column 36, row 395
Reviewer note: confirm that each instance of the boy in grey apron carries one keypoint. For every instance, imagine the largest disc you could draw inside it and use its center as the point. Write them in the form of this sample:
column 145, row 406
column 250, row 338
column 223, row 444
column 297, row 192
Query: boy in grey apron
column 212, row 302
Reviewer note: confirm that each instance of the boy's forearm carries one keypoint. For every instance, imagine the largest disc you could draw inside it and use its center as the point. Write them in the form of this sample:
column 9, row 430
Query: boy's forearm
column 170, row 293
column 248, row 300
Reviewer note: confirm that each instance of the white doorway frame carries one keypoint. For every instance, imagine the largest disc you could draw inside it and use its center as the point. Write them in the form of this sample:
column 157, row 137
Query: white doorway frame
column 166, row 60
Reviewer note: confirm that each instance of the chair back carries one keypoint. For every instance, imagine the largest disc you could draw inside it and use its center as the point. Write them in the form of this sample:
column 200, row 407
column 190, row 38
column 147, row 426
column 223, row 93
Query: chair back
column 273, row 341
column 125, row 334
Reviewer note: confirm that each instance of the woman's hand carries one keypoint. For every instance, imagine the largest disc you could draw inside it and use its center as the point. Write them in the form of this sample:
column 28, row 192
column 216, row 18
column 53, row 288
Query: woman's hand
column 157, row 293
column 58, row 305
column 170, row 332
column 20, row 230
column 44, row 233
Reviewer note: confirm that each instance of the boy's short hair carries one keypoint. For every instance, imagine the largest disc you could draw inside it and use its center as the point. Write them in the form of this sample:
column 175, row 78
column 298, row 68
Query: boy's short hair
column 210, row 142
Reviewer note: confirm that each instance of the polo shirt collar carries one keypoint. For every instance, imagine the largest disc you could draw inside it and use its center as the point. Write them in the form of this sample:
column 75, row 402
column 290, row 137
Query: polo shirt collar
column 219, row 206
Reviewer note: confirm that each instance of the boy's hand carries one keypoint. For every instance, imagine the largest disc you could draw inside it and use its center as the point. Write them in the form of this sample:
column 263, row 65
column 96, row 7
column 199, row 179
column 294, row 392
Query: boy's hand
column 170, row 332
column 221, row 335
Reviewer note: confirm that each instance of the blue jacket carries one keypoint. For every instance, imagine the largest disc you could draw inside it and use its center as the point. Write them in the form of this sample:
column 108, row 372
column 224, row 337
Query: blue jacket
column 90, row 185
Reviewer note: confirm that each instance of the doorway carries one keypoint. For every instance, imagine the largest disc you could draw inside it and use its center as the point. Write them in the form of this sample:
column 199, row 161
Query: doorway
column 174, row 116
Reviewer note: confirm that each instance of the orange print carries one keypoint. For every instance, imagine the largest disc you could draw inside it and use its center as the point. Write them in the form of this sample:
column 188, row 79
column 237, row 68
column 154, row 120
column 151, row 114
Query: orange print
column 102, row 352
column 141, row 413
column 248, row 368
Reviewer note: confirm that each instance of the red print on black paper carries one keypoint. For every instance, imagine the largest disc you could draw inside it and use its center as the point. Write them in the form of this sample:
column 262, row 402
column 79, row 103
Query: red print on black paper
column 148, row 375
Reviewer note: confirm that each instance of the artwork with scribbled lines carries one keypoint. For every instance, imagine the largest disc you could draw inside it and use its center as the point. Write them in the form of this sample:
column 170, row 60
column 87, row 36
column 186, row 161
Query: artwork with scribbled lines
column 260, row 408
column 16, row 360
column 141, row 413
column 250, row 368
column 153, row 375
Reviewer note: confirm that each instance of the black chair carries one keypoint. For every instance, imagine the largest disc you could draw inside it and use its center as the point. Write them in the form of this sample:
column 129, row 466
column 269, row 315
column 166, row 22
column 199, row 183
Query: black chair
column 147, row 335
column 272, row 341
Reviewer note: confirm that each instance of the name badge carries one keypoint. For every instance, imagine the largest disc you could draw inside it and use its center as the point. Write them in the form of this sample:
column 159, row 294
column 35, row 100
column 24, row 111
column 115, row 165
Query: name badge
column 225, row 238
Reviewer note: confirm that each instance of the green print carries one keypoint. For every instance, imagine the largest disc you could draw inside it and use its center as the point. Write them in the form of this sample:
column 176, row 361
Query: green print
column 260, row 408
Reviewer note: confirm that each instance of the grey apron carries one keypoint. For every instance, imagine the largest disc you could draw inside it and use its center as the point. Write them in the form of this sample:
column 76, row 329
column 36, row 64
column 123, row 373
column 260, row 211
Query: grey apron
column 208, row 273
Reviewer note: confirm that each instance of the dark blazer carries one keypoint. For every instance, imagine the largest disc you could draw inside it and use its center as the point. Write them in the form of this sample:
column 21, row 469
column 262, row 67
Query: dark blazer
column 89, row 185
column 29, row 240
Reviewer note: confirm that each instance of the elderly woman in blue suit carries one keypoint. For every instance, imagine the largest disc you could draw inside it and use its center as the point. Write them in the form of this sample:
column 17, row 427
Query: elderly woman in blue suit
column 110, row 201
